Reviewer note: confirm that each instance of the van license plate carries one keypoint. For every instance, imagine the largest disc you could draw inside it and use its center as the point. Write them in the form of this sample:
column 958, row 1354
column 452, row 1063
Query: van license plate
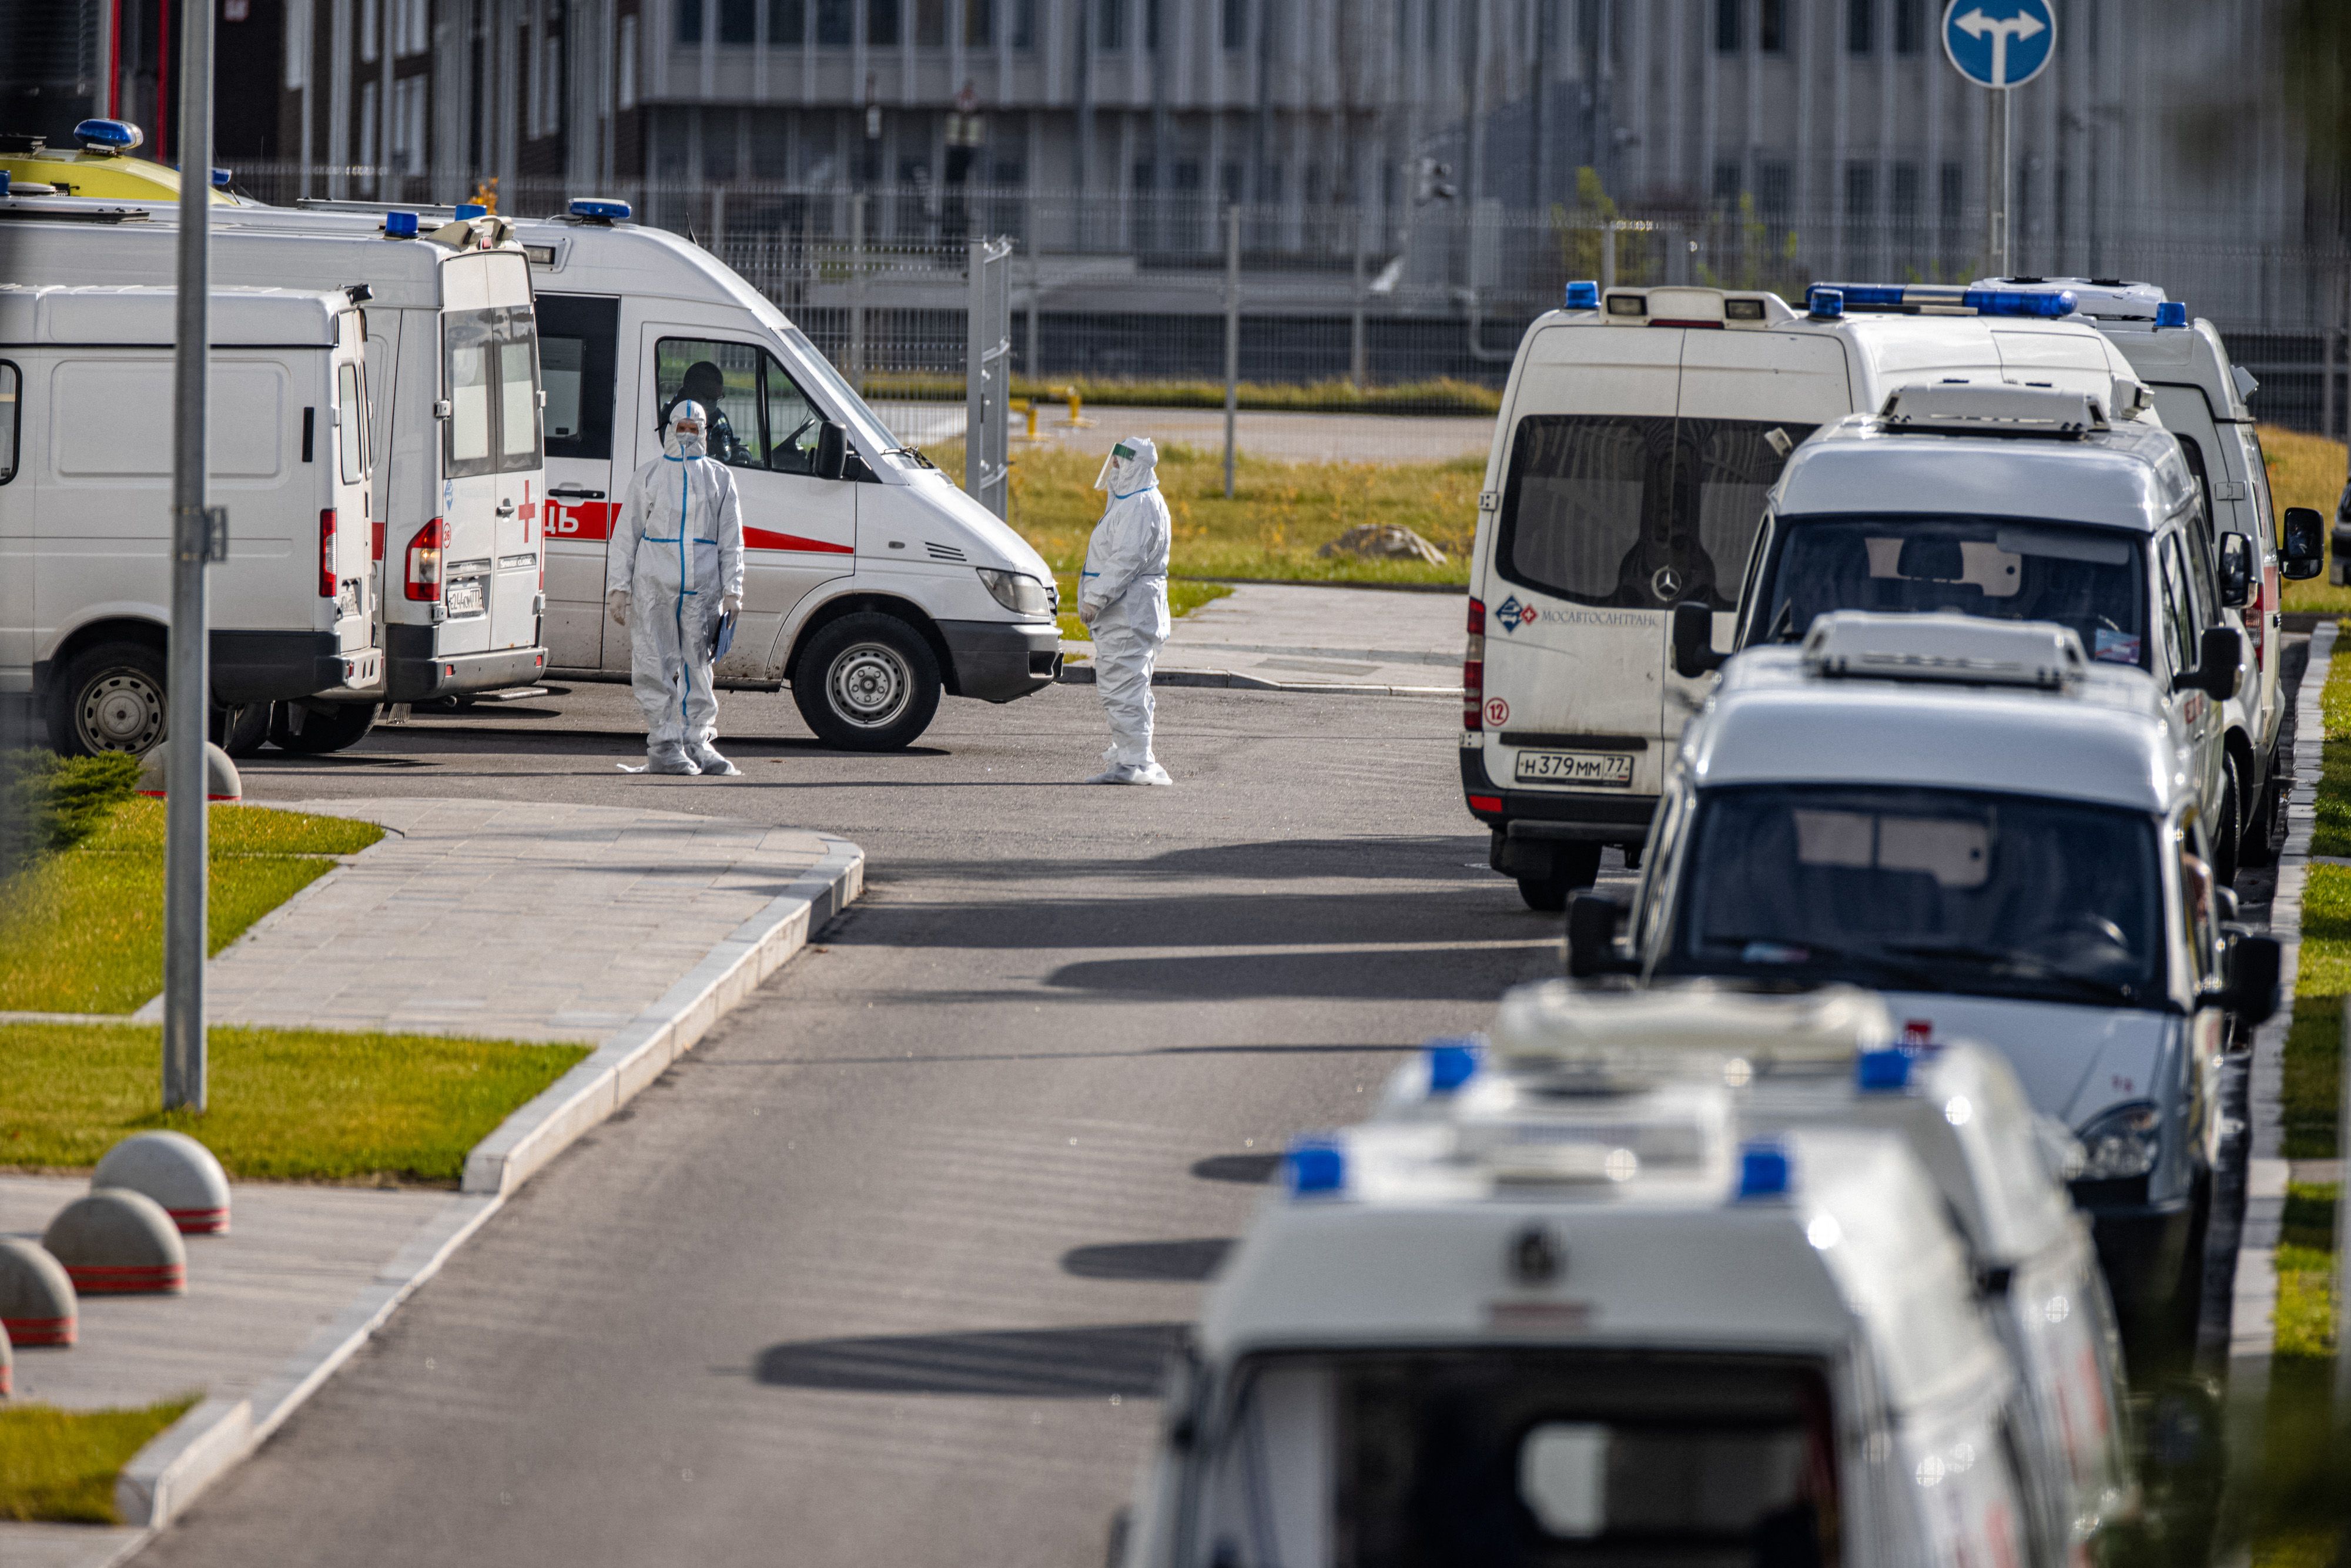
column 466, row 596
column 1607, row 769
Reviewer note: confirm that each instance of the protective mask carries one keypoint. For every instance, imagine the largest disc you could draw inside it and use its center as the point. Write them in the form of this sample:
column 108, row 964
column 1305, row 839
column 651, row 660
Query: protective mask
column 679, row 442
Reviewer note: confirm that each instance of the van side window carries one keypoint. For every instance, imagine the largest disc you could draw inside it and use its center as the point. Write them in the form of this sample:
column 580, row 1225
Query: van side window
column 491, row 360
column 2257, row 479
column 2200, row 571
column 2177, row 618
column 2196, row 907
column 350, row 423
column 760, row 417
column 2195, row 456
column 12, row 386
column 1637, row 512
column 578, row 338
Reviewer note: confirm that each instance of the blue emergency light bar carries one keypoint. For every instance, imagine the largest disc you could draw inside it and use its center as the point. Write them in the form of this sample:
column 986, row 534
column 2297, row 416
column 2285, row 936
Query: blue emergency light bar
column 221, row 178
column 1583, row 295
column 1763, row 1171
column 109, row 135
column 1882, row 1072
column 611, row 210
column 2047, row 304
column 471, row 210
column 400, row 225
column 3, row 182
column 1451, row 1063
column 2171, row 313
column 1316, row 1164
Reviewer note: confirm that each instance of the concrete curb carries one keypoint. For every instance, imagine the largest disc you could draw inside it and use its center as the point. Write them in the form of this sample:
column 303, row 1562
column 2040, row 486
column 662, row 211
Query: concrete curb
column 634, row 1058
column 1083, row 676
column 167, row 1475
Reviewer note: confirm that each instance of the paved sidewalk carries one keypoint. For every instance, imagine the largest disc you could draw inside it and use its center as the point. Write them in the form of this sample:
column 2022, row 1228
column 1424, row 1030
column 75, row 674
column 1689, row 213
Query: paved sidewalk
column 1369, row 640
column 514, row 920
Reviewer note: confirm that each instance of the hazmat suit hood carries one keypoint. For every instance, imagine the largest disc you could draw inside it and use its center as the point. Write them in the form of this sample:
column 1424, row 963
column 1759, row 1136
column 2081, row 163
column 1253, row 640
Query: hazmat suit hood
column 676, row 443
column 1132, row 467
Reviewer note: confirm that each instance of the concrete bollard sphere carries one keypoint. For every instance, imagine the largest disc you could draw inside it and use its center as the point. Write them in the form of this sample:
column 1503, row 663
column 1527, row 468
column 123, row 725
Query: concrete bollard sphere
column 36, row 1300
column 116, row 1242
column 221, row 780
column 174, row 1170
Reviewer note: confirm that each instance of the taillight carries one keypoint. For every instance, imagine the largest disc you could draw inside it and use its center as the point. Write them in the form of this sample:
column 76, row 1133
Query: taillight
column 2257, row 620
column 424, row 561
column 1473, row 670
column 375, row 540
column 330, row 579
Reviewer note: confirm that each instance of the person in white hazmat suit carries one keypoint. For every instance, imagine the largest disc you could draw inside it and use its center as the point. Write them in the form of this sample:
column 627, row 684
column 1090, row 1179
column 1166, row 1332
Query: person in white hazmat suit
column 674, row 568
column 1123, row 600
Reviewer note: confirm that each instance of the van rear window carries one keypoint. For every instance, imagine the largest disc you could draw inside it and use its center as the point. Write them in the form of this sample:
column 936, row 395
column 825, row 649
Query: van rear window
column 1637, row 511
column 492, row 374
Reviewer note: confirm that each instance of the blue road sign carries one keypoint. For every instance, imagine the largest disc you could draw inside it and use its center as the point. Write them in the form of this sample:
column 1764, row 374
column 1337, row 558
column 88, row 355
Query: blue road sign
column 1999, row 43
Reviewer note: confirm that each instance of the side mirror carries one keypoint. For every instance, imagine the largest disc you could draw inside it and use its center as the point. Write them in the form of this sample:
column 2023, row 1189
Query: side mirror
column 2218, row 669
column 1693, row 633
column 832, row 451
column 1592, row 922
column 2250, row 987
column 2236, row 570
column 2303, row 552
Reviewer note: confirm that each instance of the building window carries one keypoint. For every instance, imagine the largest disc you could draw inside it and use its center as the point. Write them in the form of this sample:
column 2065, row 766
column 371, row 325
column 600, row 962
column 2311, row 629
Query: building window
column 787, row 23
column 1910, row 25
column 1861, row 192
column 1772, row 26
column 1773, row 188
column 1228, row 181
column 689, row 21
column 1729, row 177
column 979, row 24
column 1011, row 171
column 1860, row 27
column 835, row 21
column 930, row 24
column 1024, row 24
column 628, row 62
column 1111, row 28
column 737, row 20
column 1151, row 26
column 1953, row 196
column 1905, row 198
column 1234, row 31
column 408, row 125
column 1728, row 14
column 882, row 23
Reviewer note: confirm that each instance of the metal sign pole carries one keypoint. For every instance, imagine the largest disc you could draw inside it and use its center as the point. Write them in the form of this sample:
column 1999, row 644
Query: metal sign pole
column 189, row 680
column 1232, row 334
column 1999, row 173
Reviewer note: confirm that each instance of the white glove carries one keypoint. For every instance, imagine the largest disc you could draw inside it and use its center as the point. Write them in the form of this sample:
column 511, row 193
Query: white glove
column 732, row 604
column 617, row 603
column 1088, row 610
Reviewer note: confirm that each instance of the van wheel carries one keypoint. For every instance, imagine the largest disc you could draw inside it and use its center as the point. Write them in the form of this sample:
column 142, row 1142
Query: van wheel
column 240, row 728
column 2223, row 833
column 1575, row 868
column 867, row 682
column 323, row 726
column 2264, row 826
column 111, row 699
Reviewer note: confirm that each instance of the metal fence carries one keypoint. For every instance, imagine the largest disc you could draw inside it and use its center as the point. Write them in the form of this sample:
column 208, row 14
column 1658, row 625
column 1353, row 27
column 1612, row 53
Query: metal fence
column 1398, row 310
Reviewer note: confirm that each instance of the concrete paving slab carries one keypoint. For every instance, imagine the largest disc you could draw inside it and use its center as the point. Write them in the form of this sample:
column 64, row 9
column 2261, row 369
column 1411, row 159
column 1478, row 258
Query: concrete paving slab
column 1323, row 639
column 293, row 1259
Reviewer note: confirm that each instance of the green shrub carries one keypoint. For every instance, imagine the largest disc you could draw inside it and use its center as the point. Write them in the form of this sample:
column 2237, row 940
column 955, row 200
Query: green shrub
column 50, row 802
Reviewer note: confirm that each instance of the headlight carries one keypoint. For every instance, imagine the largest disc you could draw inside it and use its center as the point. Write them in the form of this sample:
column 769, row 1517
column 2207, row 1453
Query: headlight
column 2124, row 1142
column 1017, row 592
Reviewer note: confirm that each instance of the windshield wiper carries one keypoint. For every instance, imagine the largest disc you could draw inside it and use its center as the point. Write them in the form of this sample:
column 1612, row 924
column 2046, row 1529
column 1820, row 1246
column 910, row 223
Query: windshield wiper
column 908, row 452
column 1820, row 953
column 2031, row 966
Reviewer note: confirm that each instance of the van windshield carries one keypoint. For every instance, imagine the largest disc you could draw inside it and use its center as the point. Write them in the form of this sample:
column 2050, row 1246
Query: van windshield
column 1922, row 890
column 1520, row 1456
column 2092, row 579
column 865, row 427
column 1637, row 512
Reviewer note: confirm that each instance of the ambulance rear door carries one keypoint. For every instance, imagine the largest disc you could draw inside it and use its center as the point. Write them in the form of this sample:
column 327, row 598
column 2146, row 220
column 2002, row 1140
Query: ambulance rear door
column 577, row 342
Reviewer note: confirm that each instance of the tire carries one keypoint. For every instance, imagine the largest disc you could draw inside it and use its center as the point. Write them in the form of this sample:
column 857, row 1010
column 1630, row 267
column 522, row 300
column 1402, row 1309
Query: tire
column 1576, row 867
column 241, row 730
column 2265, row 836
column 2227, row 825
column 324, row 726
column 867, row 682
column 111, row 698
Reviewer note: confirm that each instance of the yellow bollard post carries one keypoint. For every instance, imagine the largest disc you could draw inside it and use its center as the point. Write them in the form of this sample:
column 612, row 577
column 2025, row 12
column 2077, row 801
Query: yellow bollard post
column 1026, row 407
column 1077, row 407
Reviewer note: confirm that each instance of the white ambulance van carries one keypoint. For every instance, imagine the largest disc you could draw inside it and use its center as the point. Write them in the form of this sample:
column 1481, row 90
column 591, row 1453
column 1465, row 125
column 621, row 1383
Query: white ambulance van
column 86, row 377
column 1596, row 1341
column 453, row 355
column 1639, row 433
column 1831, row 1057
column 2003, row 837
column 2202, row 396
column 2016, row 504
column 873, row 584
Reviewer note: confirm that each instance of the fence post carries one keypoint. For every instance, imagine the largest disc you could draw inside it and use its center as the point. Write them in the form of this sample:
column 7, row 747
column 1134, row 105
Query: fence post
column 717, row 220
column 1608, row 256
column 1232, row 334
column 1358, row 348
column 857, row 292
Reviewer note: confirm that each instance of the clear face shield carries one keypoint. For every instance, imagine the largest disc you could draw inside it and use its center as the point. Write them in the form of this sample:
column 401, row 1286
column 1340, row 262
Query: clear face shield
column 1114, row 467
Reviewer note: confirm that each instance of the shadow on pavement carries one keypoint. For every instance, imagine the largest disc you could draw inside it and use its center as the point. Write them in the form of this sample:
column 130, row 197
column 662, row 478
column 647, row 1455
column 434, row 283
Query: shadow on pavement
column 1363, row 975
column 1252, row 1169
column 1033, row 1363
column 1189, row 1260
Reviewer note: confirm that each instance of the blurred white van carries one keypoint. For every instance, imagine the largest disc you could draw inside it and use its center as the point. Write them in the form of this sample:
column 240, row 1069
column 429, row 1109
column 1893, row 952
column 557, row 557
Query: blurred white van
column 86, row 389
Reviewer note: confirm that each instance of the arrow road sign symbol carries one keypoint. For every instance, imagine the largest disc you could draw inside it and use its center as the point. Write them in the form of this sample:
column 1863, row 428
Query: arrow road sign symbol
column 1975, row 25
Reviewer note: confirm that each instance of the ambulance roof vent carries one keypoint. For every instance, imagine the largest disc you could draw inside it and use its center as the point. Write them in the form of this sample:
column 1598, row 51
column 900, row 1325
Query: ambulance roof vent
column 1964, row 650
column 1991, row 408
column 1631, row 1038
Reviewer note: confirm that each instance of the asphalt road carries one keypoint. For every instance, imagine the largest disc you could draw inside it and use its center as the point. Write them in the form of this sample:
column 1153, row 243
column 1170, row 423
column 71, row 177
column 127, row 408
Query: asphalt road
column 882, row 1273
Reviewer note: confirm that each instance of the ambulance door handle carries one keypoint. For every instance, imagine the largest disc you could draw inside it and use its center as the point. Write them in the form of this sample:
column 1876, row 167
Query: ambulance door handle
column 574, row 493
column 507, row 507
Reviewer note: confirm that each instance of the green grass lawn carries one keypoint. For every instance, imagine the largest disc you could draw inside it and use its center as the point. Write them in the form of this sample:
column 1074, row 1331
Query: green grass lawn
column 60, row 1465
column 1441, row 395
column 82, row 930
column 286, row 1104
column 2306, row 471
